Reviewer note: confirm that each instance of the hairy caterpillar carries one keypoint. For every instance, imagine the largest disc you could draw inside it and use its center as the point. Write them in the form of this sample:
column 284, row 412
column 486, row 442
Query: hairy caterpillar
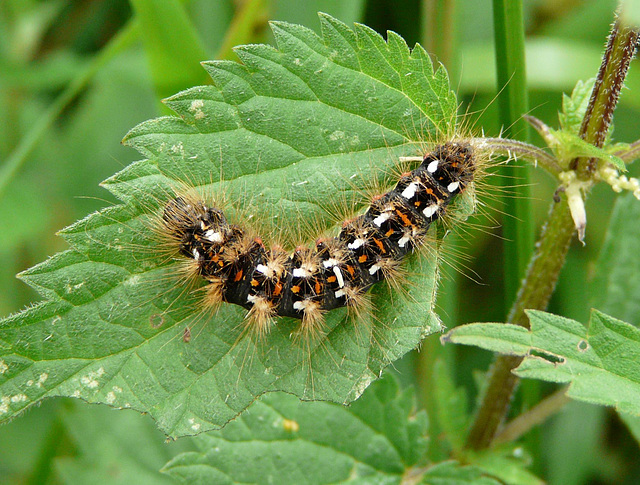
column 336, row 272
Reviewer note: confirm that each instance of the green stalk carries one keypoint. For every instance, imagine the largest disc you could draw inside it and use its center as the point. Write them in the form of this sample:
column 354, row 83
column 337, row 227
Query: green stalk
column 534, row 417
column 553, row 245
column 439, row 32
column 513, row 103
column 438, row 36
column 18, row 157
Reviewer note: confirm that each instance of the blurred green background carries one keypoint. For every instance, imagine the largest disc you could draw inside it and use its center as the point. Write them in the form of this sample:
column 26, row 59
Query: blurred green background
column 76, row 75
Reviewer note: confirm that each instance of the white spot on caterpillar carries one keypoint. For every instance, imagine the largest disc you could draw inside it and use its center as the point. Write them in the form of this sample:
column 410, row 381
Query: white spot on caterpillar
column 338, row 273
column 402, row 242
column 214, row 237
column 382, row 218
column 410, row 190
column 453, row 186
column 265, row 270
column 339, row 293
column 3, row 367
column 302, row 305
column 196, row 254
column 432, row 167
column 301, row 272
column 431, row 210
column 374, row 269
column 356, row 244
column 252, row 298
column 330, row 263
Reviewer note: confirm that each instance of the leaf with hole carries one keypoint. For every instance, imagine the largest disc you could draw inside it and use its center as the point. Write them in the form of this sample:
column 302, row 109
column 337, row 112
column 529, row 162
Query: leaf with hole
column 600, row 363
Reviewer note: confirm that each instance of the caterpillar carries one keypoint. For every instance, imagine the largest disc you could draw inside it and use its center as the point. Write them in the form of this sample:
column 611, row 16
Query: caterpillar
column 336, row 272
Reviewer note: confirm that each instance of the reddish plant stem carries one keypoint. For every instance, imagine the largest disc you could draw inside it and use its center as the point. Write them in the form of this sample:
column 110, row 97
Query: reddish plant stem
column 621, row 47
column 553, row 245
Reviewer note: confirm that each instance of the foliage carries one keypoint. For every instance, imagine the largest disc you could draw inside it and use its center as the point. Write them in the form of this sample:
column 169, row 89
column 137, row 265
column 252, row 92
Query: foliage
column 102, row 342
column 257, row 114
column 602, row 362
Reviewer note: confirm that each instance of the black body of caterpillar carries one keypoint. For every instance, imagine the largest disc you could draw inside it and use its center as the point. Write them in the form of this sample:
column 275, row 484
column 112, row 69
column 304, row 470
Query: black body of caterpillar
column 337, row 271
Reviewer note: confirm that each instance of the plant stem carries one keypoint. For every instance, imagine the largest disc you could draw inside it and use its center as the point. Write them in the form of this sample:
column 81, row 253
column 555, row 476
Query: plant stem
column 513, row 103
column 621, row 47
column 535, row 416
column 535, row 292
column 631, row 153
column 551, row 251
column 520, row 151
column 439, row 32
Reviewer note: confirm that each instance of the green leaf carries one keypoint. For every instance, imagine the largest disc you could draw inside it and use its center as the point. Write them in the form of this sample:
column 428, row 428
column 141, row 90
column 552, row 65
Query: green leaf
column 633, row 424
column 451, row 406
column 601, row 363
column 616, row 288
column 282, row 440
column 452, row 473
column 113, row 448
column 569, row 146
column 319, row 119
column 574, row 107
column 508, row 464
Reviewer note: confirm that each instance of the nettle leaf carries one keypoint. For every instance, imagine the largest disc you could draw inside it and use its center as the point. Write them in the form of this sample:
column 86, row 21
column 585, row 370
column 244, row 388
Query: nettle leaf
column 601, row 363
column 574, row 107
column 452, row 473
column 452, row 405
column 616, row 286
column 378, row 439
column 282, row 135
column 508, row 464
column 113, row 448
column 568, row 146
